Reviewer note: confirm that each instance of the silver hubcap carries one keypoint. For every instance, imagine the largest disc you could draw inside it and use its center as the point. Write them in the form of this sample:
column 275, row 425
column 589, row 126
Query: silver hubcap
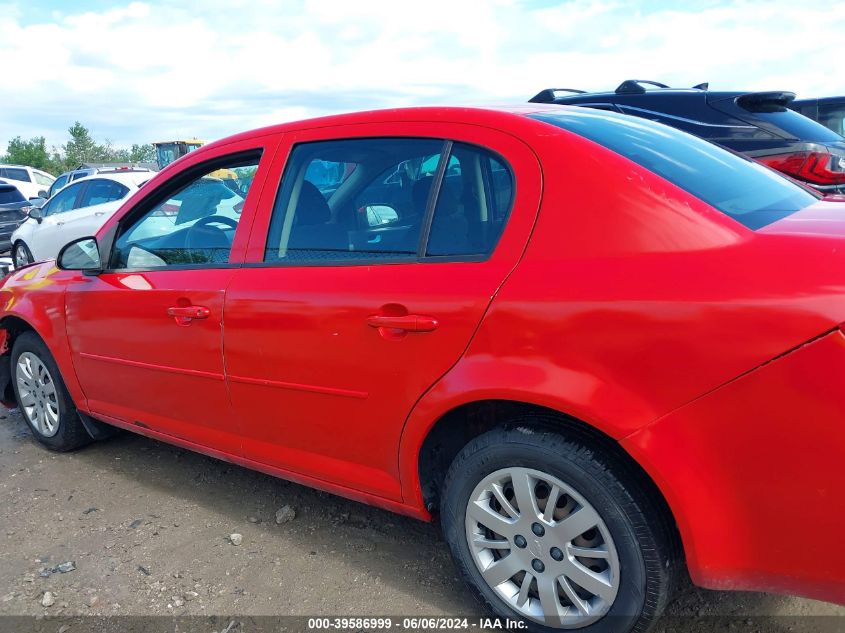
column 542, row 548
column 37, row 392
column 20, row 257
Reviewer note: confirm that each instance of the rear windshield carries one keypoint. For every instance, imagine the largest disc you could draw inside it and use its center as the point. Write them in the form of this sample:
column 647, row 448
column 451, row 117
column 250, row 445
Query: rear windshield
column 798, row 125
column 748, row 192
column 10, row 194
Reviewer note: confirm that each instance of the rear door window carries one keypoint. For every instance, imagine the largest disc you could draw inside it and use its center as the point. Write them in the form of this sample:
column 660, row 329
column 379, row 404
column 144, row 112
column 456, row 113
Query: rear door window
column 748, row 192
column 382, row 199
column 101, row 191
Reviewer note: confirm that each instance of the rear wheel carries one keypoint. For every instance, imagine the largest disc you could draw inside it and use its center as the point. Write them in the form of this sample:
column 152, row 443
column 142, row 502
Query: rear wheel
column 545, row 530
column 44, row 400
column 22, row 255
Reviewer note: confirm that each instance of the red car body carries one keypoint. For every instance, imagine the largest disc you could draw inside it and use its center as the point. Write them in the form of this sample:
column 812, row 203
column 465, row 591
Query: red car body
column 711, row 353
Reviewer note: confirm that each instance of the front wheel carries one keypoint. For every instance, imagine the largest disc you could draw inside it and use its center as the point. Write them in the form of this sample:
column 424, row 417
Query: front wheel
column 545, row 530
column 44, row 400
column 22, row 255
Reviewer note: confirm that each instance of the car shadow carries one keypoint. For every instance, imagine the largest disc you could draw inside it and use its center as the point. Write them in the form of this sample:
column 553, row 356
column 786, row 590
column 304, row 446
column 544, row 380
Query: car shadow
column 178, row 491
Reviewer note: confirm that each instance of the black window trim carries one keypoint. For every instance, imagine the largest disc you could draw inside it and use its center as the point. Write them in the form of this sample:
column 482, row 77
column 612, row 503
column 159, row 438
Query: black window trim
column 431, row 204
column 163, row 193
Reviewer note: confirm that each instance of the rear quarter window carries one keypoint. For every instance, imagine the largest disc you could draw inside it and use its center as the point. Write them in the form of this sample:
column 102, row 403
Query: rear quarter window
column 746, row 191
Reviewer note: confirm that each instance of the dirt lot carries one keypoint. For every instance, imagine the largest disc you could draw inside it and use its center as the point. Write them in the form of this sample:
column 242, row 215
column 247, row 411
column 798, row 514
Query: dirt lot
column 147, row 525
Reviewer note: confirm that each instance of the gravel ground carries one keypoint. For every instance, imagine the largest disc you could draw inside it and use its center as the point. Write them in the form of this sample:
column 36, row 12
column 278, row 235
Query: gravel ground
column 148, row 526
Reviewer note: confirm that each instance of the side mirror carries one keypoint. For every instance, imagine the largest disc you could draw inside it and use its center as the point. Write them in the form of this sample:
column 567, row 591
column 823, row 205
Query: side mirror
column 380, row 214
column 82, row 254
column 36, row 214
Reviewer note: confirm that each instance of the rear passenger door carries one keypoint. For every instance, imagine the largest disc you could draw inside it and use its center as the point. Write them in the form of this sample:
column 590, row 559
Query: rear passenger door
column 364, row 281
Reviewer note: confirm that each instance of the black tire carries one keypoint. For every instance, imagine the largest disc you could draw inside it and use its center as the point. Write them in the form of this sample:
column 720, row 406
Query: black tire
column 70, row 433
column 644, row 544
column 21, row 255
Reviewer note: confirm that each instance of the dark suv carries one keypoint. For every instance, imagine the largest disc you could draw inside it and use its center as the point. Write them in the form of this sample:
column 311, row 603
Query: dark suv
column 757, row 124
column 829, row 111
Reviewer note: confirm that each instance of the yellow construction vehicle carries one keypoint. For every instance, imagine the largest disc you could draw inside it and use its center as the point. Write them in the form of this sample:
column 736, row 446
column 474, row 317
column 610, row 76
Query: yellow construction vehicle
column 168, row 151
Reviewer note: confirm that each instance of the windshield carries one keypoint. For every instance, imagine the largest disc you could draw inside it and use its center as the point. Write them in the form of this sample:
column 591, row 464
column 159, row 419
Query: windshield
column 748, row 192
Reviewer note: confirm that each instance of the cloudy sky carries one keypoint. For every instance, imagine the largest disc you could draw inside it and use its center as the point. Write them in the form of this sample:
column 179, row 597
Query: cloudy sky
column 136, row 72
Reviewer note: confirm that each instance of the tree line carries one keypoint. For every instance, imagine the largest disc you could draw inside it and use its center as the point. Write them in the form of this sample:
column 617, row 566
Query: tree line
column 80, row 148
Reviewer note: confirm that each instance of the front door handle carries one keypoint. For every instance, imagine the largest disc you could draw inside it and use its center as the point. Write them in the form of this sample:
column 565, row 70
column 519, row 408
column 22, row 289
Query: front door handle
column 184, row 314
column 406, row 322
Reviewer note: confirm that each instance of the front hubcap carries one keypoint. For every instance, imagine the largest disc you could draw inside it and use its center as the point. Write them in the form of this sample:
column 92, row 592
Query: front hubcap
column 542, row 548
column 38, row 399
column 20, row 257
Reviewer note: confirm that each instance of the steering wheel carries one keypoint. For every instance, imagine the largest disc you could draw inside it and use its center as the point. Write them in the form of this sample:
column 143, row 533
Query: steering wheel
column 201, row 236
column 211, row 219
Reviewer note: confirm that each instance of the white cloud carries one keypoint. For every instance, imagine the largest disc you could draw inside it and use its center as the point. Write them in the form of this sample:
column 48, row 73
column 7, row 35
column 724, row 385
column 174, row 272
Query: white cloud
column 142, row 71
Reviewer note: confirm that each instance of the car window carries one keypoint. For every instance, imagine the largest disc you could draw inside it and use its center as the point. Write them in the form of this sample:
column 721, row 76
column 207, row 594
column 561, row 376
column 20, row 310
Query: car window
column 748, row 192
column 369, row 199
column 42, row 179
column 354, row 199
column 63, row 201
column 100, row 191
column 833, row 117
column 473, row 205
column 194, row 225
column 797, row 125
column 15, row 173
column 10, row 194
column 58, row 184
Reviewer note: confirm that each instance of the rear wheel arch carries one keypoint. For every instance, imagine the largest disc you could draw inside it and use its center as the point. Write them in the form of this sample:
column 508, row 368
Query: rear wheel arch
column 456, row 428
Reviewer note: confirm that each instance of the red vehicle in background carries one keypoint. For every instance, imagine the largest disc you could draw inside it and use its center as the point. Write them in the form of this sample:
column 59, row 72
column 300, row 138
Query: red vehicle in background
column 600, row 350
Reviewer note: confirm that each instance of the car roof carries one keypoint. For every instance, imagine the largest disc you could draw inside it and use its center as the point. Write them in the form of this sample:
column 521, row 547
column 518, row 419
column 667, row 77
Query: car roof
column 133, row 179
column 660, row 93
column 480, row 115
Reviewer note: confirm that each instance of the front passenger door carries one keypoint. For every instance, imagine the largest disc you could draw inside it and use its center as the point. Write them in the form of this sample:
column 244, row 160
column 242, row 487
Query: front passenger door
column 146, row 334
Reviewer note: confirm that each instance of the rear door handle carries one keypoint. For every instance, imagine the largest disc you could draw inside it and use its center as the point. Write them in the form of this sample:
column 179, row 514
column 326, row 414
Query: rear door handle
column 187, row 313
column 407, row 322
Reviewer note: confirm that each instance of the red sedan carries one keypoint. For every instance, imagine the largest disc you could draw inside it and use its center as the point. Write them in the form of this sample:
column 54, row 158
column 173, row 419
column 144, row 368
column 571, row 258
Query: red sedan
column 600, row 350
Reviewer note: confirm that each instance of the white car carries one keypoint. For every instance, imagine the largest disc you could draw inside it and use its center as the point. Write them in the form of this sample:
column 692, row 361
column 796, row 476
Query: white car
column 32, row 183
column 78, row 210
